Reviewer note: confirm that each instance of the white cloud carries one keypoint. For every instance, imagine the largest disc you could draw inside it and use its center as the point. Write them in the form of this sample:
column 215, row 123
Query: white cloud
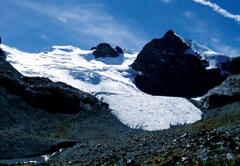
column 90, row 20
column 219, row 10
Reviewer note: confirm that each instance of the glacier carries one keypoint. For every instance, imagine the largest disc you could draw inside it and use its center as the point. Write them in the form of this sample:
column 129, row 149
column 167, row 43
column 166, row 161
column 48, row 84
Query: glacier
column 109, row 79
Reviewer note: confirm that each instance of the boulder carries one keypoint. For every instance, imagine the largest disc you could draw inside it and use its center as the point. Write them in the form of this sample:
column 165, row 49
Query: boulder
column 104, row 50
column 169, row 67
column 232, row 65
column 226, row 93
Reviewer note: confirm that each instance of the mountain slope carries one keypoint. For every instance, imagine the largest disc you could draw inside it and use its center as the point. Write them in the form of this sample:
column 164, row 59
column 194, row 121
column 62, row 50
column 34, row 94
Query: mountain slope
column 110, row 79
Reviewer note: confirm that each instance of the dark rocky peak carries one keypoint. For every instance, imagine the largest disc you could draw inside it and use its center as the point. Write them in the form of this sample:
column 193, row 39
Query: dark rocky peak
column 172, row 39
column 171, row 35
column 170, row 67
column 105, row 50
column 170, row 51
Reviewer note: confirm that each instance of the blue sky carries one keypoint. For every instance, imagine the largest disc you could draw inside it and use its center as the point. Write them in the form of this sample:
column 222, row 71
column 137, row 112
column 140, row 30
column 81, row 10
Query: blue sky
column 31, row 25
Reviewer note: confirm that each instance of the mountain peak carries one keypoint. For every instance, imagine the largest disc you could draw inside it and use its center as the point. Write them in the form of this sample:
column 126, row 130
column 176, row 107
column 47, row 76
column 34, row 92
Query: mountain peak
column 173, row 36
column 169, row 33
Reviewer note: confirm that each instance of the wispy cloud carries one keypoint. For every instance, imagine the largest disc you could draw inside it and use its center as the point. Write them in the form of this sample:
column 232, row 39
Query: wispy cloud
column 44, row 37
column 219, row 10
column 188, row 14
column 166, row 1
column 228, row 50
column 216, row 40
column 89, row 20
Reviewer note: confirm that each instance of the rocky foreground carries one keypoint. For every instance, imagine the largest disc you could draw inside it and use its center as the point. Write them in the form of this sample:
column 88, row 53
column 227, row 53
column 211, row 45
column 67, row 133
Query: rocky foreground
column 54, row 124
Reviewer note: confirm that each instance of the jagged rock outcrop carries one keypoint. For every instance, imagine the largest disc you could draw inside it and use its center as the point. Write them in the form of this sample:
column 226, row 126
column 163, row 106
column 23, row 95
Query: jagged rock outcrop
column 232, row 66
column 170, row 67
column 54, row 97
column 105, row 50
column 226, row 93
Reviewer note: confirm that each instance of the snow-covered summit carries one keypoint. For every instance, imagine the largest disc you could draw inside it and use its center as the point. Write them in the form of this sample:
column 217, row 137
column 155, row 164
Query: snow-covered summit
column 110, row 79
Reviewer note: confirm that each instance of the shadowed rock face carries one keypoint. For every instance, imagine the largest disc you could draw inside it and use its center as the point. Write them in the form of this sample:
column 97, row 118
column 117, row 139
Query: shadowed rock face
column 119, row 50
column 226, row 93
column 169, row 67
column 53, row 97
column 2, row 54
column 232, row 66
column 105, row 50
